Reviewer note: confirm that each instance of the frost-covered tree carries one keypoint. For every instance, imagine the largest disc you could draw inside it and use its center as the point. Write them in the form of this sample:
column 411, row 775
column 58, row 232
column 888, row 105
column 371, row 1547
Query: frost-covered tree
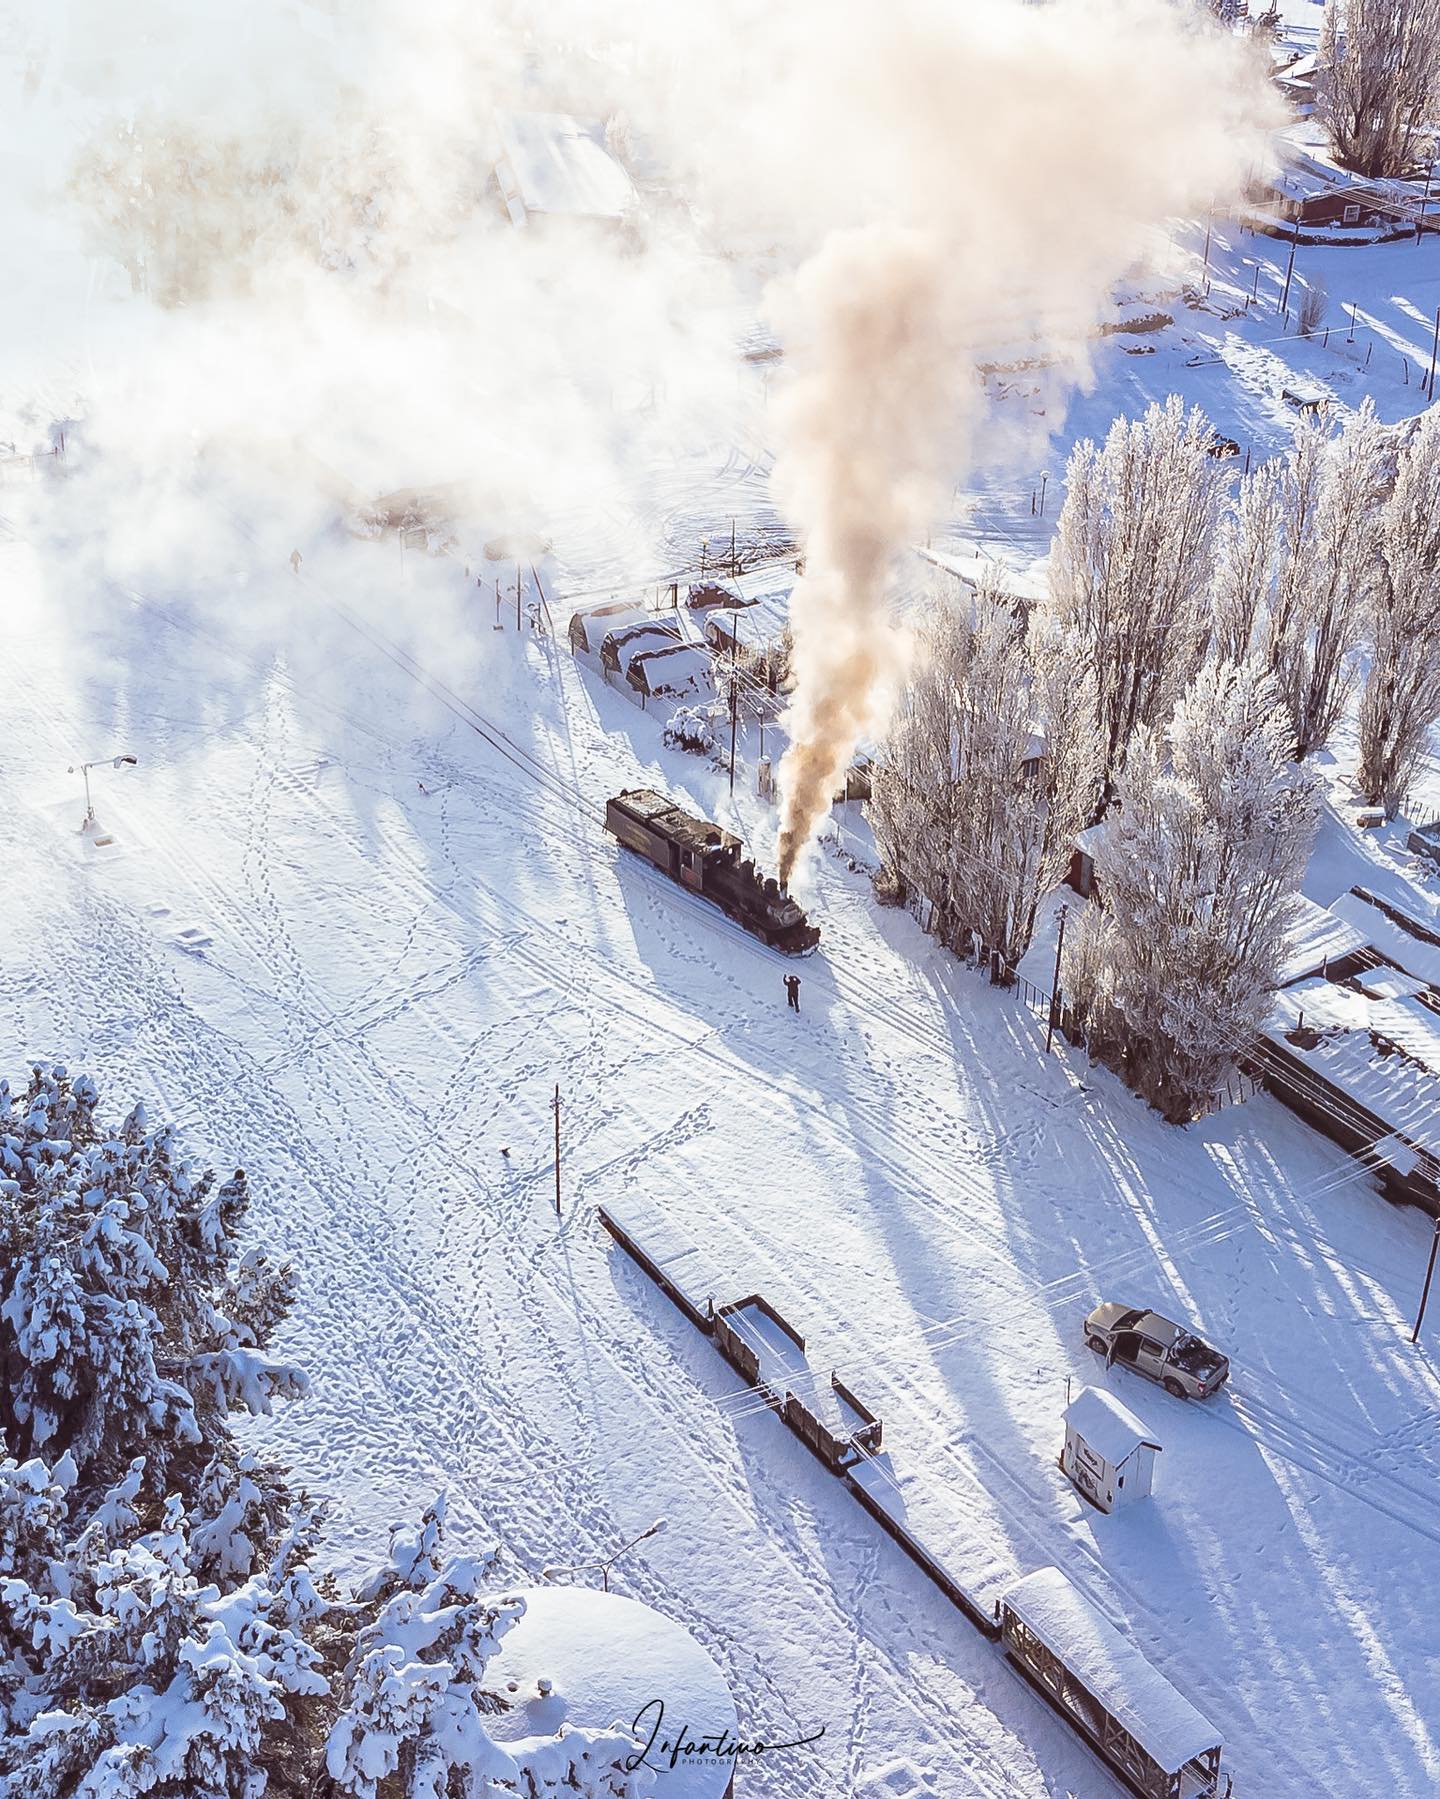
column 1201, row 857
column 1247, row 559
column 1401, row 697
column 991, row 766
column 1326, row 569
column 1131, row 566
column 127, row 1326
column 1379, row 81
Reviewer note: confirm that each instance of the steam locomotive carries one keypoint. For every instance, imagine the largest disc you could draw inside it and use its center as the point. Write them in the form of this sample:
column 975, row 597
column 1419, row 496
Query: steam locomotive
column 712, row 863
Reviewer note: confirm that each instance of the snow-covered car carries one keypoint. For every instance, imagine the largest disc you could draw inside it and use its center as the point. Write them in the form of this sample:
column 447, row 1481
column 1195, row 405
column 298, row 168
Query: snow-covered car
column 1156, row 1347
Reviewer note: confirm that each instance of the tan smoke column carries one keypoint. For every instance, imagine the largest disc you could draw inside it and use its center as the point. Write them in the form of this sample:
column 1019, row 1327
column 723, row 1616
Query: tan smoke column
column 1014, row 161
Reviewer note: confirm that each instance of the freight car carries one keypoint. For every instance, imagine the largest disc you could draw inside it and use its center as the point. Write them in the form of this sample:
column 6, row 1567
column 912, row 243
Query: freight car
column 712, row 863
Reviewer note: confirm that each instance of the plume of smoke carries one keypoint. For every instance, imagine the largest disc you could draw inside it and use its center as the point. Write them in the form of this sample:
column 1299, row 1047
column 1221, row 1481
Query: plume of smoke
column 1030, row 153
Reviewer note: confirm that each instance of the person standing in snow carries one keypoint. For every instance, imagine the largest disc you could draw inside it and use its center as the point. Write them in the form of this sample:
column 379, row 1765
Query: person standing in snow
column 295, row 562
column 792, row 991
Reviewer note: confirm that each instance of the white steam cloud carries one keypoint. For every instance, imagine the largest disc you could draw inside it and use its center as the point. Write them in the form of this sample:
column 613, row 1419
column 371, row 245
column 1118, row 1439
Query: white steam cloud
column 330, row 299
column 1022, row 156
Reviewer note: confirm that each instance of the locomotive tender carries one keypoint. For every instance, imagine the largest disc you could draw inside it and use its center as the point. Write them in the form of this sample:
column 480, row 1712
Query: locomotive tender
column 712, row 863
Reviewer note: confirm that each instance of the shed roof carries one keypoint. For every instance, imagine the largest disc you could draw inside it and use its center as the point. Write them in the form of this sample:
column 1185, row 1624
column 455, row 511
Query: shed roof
column 559, row 166
column 674, row 668
column 1111, row 1429
column 1402, row 1090
column 1138, row 1696
column 634, row 639
column 1318, row 936
column 598, row 622
column 1393, row 941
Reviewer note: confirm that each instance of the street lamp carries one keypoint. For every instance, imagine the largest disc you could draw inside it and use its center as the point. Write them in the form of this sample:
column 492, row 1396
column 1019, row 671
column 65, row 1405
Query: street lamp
column 605, row 1566
column 85, row 767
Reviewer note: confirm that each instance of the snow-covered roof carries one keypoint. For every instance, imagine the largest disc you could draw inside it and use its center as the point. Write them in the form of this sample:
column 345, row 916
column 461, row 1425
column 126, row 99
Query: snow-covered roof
column 1400, row 1085
column 1111, row 1429
column 638, row 637
column 1317, row 937
column 596, row 625
column 675, row 668
column 1090, row 839
column 608, row 1658
column 1389, row 983
column 1164, row 1723
column 1393, row 941
column 973, row 565
column 558, row 166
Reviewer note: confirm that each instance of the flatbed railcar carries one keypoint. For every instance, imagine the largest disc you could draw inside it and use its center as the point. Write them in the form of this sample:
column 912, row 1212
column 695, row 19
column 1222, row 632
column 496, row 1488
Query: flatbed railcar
column 699, row 855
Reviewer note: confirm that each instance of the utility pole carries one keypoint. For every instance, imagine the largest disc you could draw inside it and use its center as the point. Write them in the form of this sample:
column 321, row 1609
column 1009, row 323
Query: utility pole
column 556, row 1103
column 517, row 596
column 1055, row 984
column 1209, row 221
column 1290, row 267
column 733, row 569
column 1429, row 1276
column 1044, row 482
column 734, row 708
column 1434, row 351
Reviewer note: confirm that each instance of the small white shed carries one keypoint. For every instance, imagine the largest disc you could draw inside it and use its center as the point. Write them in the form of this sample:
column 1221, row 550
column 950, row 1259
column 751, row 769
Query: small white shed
column 1108, row 1454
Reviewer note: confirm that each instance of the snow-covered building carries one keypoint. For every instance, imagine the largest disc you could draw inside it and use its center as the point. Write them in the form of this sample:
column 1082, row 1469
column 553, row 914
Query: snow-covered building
column 555, row 167
column 1361, row 1062
column 651, row 631
column 673, row 671
column 590, row 626
column 1314, row 201
column 975, row 568
column 592, row 1659
column 1109, row 1453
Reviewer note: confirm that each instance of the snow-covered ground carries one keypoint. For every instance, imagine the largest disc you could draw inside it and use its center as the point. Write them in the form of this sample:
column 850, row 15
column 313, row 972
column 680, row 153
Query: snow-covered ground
column 357, row 917
column 352, row 930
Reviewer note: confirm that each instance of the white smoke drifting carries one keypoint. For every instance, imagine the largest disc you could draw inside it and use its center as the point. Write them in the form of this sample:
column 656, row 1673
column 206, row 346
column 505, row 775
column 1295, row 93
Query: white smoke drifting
column 299, row 190
column 1023, row 157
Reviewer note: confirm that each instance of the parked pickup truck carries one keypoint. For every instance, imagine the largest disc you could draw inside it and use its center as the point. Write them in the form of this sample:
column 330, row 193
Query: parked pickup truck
column 1153, row 1346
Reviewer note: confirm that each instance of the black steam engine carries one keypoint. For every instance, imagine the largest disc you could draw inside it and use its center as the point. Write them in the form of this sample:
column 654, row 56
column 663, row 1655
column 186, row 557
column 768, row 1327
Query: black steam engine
column 712, row 863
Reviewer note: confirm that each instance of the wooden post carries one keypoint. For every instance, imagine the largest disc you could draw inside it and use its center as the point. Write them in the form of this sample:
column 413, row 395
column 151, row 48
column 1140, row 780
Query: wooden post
column 517, row 596
column 1434, row 350
column 557, row 1148
column 1290, row 267
column 1429, row 1276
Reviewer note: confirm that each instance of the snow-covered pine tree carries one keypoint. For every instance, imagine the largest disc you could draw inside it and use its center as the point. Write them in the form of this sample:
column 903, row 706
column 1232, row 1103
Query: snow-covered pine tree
column 1130, row 569
column 161, row 1631
column 1202, row 855
column 1328, row 568
column 1401, row 697
column 990, row 768
column 413, row 1706
column 123, row 1330
column 125, row 1672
